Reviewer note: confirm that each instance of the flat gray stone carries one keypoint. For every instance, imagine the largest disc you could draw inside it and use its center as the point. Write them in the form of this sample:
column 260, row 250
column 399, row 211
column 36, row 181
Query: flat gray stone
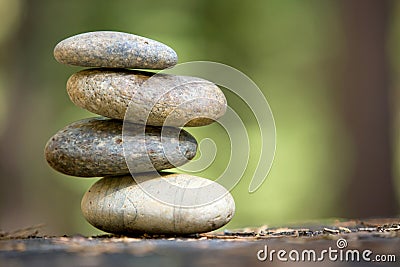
column 120, row 205
column 156, row 100
column 109, row 49
column 94, row 148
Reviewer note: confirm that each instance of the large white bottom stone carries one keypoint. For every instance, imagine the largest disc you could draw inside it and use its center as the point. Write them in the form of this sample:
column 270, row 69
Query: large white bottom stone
column 171, row 204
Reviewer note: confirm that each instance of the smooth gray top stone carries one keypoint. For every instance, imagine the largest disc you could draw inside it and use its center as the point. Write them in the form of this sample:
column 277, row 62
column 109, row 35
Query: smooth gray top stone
column 153, row 99
column 109, row 49
column 120, row 205
column 93, row 148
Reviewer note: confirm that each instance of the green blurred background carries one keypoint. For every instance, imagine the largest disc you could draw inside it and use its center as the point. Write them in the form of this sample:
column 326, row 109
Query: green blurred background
column 329, row 70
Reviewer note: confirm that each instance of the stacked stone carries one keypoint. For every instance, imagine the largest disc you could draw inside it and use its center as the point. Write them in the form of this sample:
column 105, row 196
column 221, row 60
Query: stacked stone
column 94, row 147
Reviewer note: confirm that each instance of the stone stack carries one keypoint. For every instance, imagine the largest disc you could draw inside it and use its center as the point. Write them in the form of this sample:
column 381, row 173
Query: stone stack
column 149, row 141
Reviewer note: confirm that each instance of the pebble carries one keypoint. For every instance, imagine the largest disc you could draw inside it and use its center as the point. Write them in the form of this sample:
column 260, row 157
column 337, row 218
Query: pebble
column 168, row 100
column 119, row 205
column 110, row 49
column 94, row 147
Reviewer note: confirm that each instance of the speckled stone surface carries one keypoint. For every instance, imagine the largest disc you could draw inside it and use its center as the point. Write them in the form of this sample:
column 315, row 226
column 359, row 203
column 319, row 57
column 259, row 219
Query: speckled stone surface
column 93, row 148
column 119, row 205
column 160, row 100
column 109, row 49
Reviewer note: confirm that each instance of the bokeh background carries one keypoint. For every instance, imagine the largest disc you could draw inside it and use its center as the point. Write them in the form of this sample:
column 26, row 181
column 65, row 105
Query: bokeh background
column 329, row 69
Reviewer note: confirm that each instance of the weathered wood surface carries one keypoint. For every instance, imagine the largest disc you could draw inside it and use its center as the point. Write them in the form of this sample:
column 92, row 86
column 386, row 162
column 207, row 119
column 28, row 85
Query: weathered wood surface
column 229, row 248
